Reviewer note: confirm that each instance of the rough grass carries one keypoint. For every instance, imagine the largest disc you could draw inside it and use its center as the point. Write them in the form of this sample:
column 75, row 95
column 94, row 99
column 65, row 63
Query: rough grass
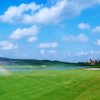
column 73, row 84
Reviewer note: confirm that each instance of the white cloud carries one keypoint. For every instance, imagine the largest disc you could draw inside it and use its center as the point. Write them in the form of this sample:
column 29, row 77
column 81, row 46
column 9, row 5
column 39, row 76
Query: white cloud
column 62, row 9
column 41, row 14
column 48, row 45
column 24, row 32
column 83, row 26
column 42, row 51
column 79, row 38
column 46, row 15
column 48, row 52
column 82, row 53
column 96, row 29
column 52, row 51
column 98, row 42
column 6, row 45
column 32, row 39
column 15, row 13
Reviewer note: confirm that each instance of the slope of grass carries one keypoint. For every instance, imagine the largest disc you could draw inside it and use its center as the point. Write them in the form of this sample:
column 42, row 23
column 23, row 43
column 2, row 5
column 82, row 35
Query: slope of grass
column 73, row 84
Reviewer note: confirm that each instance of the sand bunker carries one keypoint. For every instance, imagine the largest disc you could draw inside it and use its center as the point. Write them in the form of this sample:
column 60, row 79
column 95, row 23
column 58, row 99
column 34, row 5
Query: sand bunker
column 4, row 71
column 93, row 69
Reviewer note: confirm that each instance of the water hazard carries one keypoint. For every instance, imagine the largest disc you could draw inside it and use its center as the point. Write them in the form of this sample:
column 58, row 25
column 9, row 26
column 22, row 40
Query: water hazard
column 44, row 68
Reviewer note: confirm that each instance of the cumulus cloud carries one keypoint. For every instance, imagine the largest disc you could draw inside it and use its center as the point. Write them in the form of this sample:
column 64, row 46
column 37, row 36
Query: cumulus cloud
column 41, row 14
column 48, row 51
column 46, row 15
column 52, row 51
column 42, row 51
column 48, row 45
column 82, row 53
column 32, row 39
column 6, row 45
column 98, row 42
column 79, row 38
column 25, row 32
column 15, row 13
column 83, row 26
column 89, row 53
column 96, row 29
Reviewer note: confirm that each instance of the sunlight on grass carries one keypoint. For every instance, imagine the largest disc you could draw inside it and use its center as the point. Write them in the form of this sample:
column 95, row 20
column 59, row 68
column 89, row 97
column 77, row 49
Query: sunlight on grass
column 72, row 84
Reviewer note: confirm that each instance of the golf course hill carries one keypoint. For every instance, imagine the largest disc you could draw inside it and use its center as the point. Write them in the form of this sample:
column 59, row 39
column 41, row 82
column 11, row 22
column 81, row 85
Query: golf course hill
column 11, row 61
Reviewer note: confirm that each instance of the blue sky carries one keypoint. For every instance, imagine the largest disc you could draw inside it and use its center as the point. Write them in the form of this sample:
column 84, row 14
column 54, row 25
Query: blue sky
column 66, row 30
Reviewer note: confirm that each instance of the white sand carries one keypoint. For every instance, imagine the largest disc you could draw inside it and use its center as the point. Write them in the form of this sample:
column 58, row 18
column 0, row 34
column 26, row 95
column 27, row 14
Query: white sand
column 93, row 69
column 4, row 71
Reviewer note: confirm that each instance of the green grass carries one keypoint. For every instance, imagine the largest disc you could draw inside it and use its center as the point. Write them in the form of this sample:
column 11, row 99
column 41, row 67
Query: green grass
column 72, row 84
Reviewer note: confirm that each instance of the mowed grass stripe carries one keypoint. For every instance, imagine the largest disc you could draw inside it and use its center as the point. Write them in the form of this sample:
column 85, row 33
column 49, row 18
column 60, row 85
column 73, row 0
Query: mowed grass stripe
column 51, row 85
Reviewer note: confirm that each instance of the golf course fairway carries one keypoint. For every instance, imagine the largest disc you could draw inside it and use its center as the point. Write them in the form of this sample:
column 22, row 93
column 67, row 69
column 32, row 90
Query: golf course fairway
column 73, row 84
